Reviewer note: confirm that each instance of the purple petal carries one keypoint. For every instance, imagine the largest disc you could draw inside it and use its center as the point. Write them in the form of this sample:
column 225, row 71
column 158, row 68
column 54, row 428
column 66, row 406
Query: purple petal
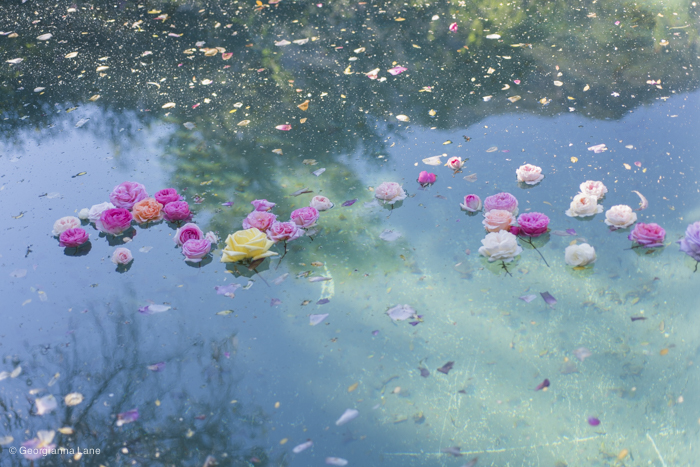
column 593, row 421
column 528, row 298
column 227, row 203
column 127, row 417
column 375, row 333
column 401, row 312
column 315, row 319
column 227, row 290
column 571, row 231
column 323, row 301
column 549, row 300
column 275, row 302
column 150, row 309
column 160, row 366
column 414, row 323
column 582, row 353
column 349, row 202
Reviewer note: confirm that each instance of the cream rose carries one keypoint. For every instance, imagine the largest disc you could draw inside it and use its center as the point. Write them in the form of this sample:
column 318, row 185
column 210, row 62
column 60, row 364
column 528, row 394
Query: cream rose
column 83, row 214
column 579, row 255
column 530, row 174
column 620, row 216
column 390, row 192
column 500, row 246
column 591, row 188
column 246, row 244
column 321, row 203
column 63, row 224
column 498, row 219
column 584, row 205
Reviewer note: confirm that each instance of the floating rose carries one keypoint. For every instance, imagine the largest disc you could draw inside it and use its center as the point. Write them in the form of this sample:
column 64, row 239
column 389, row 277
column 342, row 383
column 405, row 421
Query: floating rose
column 195, row 250
column 584, row 206
column 455, row 163
column 122, row 255
column 497, row 220
column 249, row 244
column 620, row 216
column 126, row 194
column 63, row 224
column 167, row 195
column 690, row 244
column 114, row 221
column 529, row 174
column 176, row 211
column 500, row 246
column 533, row 224
column 304, row 217
column 504, row 201
column 96, row 211
column 260, row 220
column 188, row 231
column 321, row 203
column 579, row 255
column 147, row 210
column 262, row 204
column 390, row 192
column 212, row 237
column 647, row 235
column 284, row 232
column 73, row 238
column 472, row 203
column 426, row 178
column 593, row 188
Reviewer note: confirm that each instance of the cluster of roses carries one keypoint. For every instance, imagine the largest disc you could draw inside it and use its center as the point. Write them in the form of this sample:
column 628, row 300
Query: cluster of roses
column 129, row 202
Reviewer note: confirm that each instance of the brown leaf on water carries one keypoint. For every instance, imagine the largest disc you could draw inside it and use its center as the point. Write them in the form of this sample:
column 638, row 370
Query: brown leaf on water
column 302, row 120
column 304, row 106
column 353, row 387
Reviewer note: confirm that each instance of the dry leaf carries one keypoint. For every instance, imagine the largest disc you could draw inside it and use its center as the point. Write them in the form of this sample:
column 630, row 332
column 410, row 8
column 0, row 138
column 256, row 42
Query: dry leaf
column 558, row 83
column 514, row 98
column 243, row 123
column 169, row 105
column 74, row 398
column 304, row 106
column 574, row 159
column 402, row 118
column 72, row 55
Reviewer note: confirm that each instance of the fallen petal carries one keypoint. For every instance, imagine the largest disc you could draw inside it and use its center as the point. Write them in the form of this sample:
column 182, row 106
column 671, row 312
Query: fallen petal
column 348, row 415
column 528, row 298
column 316, row 319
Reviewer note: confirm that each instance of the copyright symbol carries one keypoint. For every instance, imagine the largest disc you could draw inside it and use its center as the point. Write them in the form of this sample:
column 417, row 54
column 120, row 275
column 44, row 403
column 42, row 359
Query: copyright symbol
column 12, row 450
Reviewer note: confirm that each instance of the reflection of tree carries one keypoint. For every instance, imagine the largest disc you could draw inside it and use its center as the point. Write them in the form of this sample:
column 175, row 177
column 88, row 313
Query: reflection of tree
column 182, row 420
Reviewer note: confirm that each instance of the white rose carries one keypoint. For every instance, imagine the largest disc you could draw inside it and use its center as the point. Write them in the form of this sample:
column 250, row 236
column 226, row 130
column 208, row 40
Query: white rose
column 97, row 210
column 212, row 237
column 321, row 203
column 530, row 174
column 500, row 246
column 83, row 214
column 620, row 216
column 390, row 192
column 579, row 255
column 63, row 224
column 592, row 188
column 584, row 205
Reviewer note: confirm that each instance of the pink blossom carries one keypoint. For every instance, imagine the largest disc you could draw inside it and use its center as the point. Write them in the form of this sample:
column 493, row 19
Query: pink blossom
column 188, row 231
column 262, row 204
column 284, row 127
column 195, row 250
column 516, row 81
column 472, row 203
column 397, row 70
column 648, row 235
column 321, row 203
column 63, row 224
column 114, row 221
column 126, row 194
column 167, row 195
column 261, row 220
column 504, row 201
column 453, row 27
column 212, row 237
column 73, row 238
column 122, row 255
column 304, row 217
column 177, row 211
column 455, row 163
column 284, row 231
column 390, row 192
column 533, row 224
column 426, row 178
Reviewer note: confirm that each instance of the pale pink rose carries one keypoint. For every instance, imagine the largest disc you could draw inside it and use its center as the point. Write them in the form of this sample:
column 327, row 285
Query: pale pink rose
column 262, row 204
column 195, row 250
column 321, row 203
column 63, row 224
column 530, row 174
column 504, row 201
column 390, row 192
column 584, row 205
column 620, row 216
column 472, row 203
column 126, row 194
column 304, row 217
column 167, row 195
column 455, row 163
column 176, row 211
column 96, row 211
column 73, row 238
column 114, row 221
column 284, row 231
column 648, row 235
column 122, row 256
column 261, row 220
column 212, row 237
column 592, row 188
column 497, row 220
column 188, row 232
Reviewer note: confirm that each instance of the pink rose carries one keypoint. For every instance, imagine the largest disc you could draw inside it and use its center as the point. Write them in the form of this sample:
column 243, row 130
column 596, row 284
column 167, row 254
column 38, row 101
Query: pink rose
column 262, row 204
column 167, row 195
column 426, row 178
column 304, row 217
column 126, row 194
column 390, row 192
column 261, row 220
column 455, row 163
column 188, row 232
column 530, row 174
column 63, row 224
column 504, row 201
column 648, row 235
column 453, row 27
column 321, row 203
column 73, row 238
column 177, row 211
column 114, row 221
column 472, row 203
column 533, row 224
column 122, row 256
column 195, row 250
column 497, row 220
column 284, row 231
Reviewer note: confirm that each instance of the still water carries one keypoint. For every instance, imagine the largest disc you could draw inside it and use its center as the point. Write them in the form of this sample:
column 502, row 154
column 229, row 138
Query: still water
column 200, row 96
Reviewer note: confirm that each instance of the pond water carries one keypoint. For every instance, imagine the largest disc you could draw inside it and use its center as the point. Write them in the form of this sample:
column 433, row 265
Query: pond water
column 487, row 370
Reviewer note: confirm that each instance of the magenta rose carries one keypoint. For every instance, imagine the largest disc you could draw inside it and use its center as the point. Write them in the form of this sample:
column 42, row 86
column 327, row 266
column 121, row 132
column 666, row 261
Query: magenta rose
column 195, row 250
column 533, row 224
column 114, row 221
column 188, row 231
column 262, row 204
column 426, row 178
column 305, row 217
column 503, row 201
column 73, row 238
column 126, row 194
column 177, row 211
column 648, row 235
column 261, row 220
column 167, row 195
column 284, row 231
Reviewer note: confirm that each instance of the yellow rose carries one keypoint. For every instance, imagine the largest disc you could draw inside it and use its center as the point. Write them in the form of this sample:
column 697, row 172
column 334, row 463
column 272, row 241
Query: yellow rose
column 246, row 244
